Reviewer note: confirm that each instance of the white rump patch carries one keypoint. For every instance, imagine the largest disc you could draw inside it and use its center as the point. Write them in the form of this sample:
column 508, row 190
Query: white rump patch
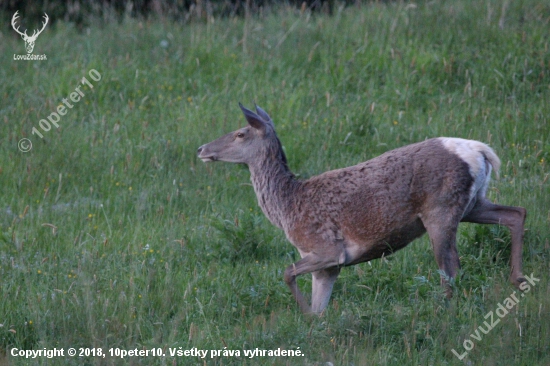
column 475, row 154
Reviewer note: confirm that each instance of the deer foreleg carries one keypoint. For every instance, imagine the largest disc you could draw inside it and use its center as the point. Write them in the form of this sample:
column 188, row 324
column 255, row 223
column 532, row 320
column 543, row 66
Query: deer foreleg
column 325, row 271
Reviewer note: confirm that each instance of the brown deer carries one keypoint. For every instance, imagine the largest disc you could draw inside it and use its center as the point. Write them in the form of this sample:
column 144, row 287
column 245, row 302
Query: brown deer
column 366, row 211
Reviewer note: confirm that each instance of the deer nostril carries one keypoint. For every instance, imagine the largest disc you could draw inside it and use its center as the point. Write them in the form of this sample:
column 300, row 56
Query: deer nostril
column 199, row 150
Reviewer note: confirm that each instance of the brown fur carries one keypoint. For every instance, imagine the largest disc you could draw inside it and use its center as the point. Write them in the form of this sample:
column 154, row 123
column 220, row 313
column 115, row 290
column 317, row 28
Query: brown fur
column 377, row 204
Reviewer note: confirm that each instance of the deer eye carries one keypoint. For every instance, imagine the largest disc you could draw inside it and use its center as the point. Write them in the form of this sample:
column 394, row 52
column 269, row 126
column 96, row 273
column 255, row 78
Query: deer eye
column 240, row 135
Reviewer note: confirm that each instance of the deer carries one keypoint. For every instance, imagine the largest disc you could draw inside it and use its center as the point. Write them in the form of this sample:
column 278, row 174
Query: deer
column 29, row 40
column 370, row 210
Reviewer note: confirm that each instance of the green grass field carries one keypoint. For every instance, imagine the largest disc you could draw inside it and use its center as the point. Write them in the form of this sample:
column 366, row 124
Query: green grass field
column 114, row 235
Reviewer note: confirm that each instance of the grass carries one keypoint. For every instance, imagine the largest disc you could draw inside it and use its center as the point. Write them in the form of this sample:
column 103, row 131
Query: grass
column 114, row 235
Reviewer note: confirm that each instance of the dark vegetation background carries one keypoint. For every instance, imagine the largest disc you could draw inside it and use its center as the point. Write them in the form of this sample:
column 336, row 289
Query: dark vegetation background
column 80, row 12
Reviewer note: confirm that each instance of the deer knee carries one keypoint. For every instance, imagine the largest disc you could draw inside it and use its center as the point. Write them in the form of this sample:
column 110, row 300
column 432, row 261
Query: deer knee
column 522, row 215
column 289, row 276
column 516, row 221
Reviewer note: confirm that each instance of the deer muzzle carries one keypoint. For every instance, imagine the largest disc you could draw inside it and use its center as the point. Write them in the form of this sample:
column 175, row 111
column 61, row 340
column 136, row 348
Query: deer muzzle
column 203, row 154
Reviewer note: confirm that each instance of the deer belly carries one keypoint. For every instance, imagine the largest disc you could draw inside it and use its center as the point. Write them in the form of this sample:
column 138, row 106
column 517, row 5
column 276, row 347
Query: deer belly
column 358, row 251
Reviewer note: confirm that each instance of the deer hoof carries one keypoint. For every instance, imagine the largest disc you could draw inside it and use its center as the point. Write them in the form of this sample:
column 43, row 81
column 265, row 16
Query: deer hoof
column 517, row 281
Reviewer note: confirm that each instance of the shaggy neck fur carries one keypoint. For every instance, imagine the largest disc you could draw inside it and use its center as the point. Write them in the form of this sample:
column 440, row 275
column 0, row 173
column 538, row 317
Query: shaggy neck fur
column 274, row 184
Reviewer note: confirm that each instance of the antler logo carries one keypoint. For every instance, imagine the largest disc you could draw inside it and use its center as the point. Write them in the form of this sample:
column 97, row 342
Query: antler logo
column 29, row 40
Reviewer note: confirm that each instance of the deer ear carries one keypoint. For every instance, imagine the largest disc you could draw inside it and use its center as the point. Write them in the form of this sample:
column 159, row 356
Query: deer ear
column 264, row 115
column 253, row 119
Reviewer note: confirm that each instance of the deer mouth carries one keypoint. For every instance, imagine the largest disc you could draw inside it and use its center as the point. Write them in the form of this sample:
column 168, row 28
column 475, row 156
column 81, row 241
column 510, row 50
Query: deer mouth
column 206, row 159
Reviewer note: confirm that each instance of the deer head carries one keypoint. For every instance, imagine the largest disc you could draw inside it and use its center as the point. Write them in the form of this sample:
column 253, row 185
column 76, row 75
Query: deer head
column 245, row 144
column 29, row 40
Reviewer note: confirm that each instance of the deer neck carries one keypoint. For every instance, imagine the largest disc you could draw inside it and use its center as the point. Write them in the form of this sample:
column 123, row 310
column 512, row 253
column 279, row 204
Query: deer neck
column 275, row 187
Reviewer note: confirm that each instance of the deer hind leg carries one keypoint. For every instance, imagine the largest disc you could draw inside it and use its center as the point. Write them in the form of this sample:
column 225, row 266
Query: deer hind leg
column 442, row 232
column 486, row 212
column 325, row 271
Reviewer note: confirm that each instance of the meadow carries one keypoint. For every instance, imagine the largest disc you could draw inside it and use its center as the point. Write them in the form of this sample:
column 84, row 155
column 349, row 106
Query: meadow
column 114, row 235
